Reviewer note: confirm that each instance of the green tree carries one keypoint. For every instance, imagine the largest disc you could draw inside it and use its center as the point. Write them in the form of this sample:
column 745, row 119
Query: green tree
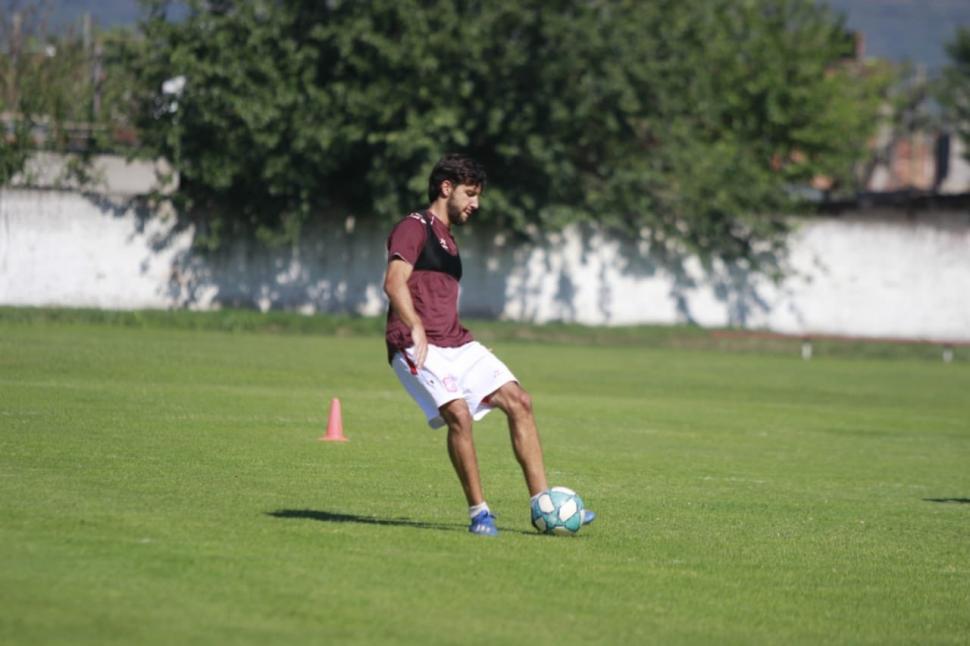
column 68, row 92
column 687, row 122
column 955, row 85
column 19, row 58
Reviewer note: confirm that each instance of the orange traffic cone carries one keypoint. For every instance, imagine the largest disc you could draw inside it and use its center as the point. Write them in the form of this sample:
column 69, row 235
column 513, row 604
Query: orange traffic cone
column 335, row 424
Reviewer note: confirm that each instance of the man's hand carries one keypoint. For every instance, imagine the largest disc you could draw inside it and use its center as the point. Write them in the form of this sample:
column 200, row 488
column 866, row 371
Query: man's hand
column 420, row 345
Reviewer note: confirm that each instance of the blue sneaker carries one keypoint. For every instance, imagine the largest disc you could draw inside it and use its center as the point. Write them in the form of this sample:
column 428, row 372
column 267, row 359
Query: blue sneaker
column 483, row 524
column 588, row 516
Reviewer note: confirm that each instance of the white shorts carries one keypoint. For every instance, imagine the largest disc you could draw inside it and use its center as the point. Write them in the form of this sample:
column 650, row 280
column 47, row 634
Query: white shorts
column 470, row 372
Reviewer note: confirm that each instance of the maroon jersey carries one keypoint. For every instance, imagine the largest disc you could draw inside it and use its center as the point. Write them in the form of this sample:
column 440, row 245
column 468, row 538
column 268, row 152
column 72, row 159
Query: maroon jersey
column 426, row 243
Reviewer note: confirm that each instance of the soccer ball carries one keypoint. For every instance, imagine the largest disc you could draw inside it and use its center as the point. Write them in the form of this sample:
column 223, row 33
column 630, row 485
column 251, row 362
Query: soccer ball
column 558, row 511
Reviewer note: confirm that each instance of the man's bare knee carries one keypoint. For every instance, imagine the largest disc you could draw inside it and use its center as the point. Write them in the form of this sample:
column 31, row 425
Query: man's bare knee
column 457, row 416
column 516, row 402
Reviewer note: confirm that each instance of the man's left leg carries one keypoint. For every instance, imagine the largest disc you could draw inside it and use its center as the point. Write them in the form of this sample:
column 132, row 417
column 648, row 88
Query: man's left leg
column 516, row 403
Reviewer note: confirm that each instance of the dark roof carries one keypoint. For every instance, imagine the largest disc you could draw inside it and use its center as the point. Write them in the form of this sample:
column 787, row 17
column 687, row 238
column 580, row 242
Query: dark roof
column 908, row 201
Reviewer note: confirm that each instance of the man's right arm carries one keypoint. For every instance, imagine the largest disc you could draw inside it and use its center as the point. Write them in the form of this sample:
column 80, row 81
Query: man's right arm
column 396, row 288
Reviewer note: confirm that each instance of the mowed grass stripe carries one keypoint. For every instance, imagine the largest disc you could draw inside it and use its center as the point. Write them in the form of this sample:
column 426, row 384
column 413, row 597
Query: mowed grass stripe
column 160, row 485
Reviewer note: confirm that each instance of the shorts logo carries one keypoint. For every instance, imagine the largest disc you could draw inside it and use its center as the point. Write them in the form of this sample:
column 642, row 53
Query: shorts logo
column 444, row 245
column 450, row 384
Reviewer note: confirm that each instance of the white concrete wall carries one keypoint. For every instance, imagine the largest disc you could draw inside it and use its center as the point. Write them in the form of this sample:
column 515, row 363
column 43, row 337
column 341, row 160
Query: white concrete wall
column 882, row 275
column 106, row 174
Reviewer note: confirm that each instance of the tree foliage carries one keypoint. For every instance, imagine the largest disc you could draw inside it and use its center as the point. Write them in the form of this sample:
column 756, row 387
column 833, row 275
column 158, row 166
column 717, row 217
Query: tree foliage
column 63, row 91
column 955, row 84
column 688, row 122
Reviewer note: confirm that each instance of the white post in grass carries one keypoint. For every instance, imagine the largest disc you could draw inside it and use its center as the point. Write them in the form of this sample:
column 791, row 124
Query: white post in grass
column 806, row 349
column 947, row 354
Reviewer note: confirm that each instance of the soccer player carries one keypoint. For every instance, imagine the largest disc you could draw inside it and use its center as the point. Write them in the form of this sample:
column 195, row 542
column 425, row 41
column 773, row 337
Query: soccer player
column 453, row 378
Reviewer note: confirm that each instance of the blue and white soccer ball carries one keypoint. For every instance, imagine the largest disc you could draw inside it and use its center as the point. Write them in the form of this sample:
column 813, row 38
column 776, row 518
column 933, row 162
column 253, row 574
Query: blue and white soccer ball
column 558, row 511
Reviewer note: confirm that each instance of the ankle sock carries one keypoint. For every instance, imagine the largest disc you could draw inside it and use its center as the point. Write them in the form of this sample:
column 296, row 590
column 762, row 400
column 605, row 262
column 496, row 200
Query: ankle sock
column 477, row 509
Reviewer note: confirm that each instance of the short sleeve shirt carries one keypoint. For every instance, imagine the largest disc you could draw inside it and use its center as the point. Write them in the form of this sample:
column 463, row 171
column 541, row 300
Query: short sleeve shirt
column 435, row 294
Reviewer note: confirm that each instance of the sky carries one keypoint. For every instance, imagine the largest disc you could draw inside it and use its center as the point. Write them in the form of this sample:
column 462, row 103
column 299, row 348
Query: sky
column 906, row 30
column 898, row 30
column 106, row 13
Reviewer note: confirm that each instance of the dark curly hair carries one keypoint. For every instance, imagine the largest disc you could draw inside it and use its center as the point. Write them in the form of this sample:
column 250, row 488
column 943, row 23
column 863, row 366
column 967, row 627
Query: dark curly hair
column 457, row 169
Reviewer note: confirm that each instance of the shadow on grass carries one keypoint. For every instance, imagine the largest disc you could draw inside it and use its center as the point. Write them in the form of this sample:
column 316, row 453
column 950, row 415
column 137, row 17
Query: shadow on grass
column 959, row 501
column 333, row 517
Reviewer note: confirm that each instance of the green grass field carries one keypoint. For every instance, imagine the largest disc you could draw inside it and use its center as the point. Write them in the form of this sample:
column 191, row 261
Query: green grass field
column 162, row 484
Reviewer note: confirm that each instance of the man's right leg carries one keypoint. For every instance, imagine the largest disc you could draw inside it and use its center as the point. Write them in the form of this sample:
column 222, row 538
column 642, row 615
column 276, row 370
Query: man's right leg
column 461, row 449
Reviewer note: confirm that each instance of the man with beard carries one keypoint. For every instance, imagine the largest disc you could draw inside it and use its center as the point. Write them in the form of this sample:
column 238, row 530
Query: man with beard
column 453, row 378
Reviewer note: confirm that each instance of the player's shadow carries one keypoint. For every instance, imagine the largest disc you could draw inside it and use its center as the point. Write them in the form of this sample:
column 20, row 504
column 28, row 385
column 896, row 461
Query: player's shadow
column 333, row 517
column 959, row 501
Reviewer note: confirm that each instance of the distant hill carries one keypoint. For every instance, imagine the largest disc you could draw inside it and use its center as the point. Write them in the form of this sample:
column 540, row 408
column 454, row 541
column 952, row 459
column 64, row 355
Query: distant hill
column 898, row 30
